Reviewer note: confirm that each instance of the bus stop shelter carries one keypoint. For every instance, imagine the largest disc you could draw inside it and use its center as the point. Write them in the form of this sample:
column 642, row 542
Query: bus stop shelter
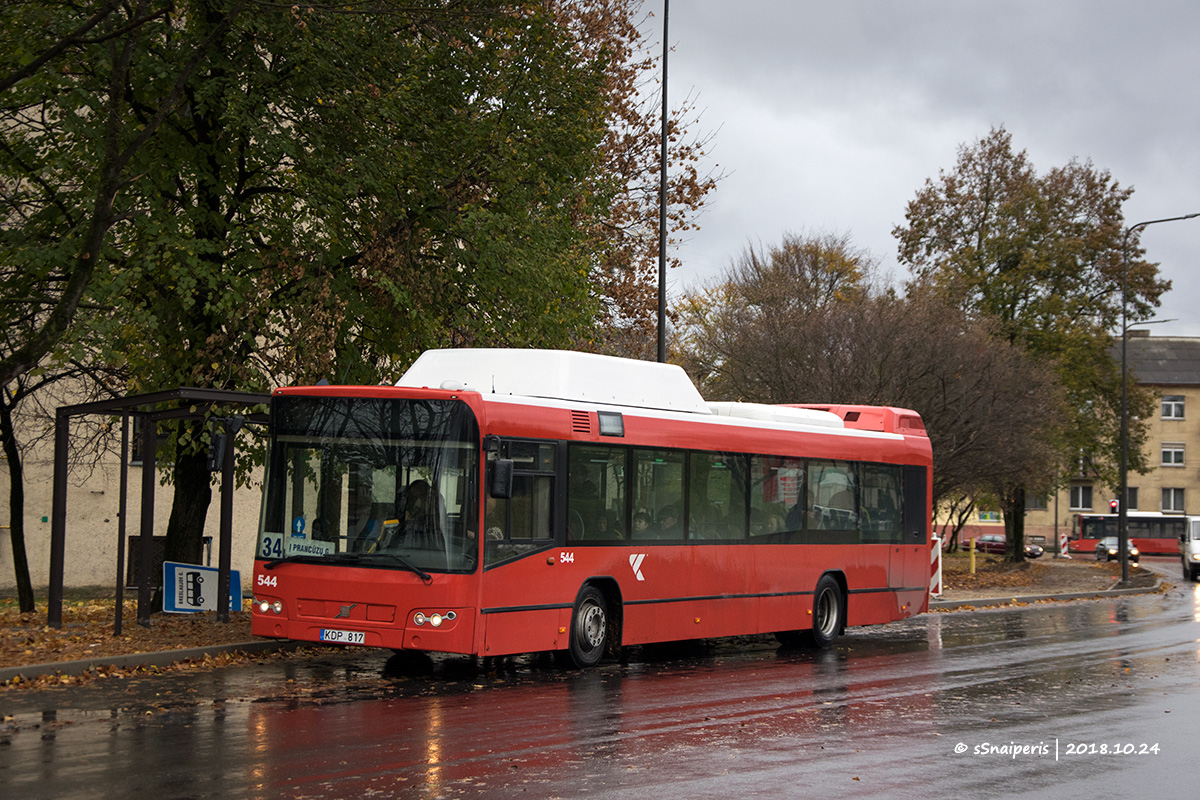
column 151, row 408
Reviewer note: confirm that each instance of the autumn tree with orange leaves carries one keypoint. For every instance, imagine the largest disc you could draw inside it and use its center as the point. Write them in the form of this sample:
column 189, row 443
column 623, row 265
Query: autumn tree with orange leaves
column 625, row 276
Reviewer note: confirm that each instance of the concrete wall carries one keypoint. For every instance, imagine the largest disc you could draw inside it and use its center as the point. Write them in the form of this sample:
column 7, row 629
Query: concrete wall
column 93, row 504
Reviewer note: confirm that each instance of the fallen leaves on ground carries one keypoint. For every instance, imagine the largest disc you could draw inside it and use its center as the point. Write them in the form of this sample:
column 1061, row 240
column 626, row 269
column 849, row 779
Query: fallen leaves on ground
column 87, row 633
column 88, row 627
column 1037, row 577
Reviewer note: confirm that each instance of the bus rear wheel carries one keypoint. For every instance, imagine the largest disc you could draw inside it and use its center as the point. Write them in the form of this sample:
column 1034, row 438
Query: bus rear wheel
column 829, row 612
column 589, row 628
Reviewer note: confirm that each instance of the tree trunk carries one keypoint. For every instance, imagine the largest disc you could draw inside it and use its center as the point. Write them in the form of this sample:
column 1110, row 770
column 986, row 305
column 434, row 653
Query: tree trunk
column 1014, row 522
column 189, row 509
column 16, row 508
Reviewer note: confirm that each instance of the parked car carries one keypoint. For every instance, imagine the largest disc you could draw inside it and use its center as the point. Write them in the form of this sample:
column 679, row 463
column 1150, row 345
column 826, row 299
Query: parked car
column 990, row 543
column 1109, row 549
column 997, row 543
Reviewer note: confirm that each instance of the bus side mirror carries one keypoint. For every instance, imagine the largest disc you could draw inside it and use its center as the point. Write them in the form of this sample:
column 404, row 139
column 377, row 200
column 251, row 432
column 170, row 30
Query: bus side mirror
column 502, row 479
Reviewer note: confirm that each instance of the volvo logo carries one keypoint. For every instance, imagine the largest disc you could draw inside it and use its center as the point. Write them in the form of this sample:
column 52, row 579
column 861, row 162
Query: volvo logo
column 345, row 612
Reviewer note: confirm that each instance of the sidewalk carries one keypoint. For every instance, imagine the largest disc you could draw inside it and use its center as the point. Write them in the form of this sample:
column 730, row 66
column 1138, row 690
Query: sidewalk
column 160, row 658
column 983, row 601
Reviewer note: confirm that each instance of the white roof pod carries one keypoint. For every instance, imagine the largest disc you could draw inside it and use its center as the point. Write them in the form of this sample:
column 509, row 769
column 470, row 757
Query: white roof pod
column 784, row 414
column 560, row 375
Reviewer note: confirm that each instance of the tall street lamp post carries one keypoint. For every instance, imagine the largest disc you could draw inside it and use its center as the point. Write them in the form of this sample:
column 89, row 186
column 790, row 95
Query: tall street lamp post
column 1122, row 514
column 662, row 202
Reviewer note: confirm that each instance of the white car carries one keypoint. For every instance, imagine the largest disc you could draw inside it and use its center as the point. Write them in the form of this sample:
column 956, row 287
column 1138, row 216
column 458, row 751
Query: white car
column 1189, row 550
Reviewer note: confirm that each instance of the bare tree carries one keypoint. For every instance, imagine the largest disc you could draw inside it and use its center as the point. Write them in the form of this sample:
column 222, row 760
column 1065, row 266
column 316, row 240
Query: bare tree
column 803, row 323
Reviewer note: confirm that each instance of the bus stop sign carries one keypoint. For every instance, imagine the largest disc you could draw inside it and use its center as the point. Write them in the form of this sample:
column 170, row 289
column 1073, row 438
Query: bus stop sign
column 188, row 588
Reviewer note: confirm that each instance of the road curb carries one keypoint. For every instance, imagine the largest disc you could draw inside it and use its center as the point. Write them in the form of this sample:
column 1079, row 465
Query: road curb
column 981, row 602
column 161, row 658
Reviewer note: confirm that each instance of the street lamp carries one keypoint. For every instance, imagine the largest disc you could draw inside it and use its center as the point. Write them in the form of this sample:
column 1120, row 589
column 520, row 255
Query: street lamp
column 1122, row 510
column 662, row 203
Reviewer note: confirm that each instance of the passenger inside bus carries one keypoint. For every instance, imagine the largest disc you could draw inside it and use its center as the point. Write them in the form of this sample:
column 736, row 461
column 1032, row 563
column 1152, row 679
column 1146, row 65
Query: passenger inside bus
column 606, row 527
column 668, row 523
column 417, row 528
column 365, row 520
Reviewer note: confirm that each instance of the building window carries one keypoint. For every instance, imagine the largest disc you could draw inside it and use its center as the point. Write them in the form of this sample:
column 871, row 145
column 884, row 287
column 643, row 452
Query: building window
column 1081, row 498
column 1036, row 502
column 1172, row 454
column 1131, row 496
column 1172, row 406
column 1172, row 500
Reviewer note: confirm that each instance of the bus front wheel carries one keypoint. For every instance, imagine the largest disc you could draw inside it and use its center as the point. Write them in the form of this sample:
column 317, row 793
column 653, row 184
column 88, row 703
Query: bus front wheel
column 589, row 628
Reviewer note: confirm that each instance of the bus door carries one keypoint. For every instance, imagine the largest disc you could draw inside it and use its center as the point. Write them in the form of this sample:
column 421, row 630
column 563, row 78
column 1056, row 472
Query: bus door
column 910, row 570
column 520, row 585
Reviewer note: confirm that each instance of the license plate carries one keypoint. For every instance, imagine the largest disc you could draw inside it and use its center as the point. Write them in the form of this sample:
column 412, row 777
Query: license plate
column 343, row 637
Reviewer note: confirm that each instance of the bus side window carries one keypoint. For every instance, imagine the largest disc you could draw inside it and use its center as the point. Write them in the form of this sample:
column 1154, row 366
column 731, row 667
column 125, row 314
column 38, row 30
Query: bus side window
column 658, row 494
column 881, row 504
column 833, row 489
column 716, row 496
column 777, row 496
column 523, row 522
column 597, row 500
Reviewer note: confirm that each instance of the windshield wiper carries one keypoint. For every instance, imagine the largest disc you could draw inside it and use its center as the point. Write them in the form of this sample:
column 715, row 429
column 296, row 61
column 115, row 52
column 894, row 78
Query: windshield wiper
column 275, row 562
column 350, row 558
column 422, row 574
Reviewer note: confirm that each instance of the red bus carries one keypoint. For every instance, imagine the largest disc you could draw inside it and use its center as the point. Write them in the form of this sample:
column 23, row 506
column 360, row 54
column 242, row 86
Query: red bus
column 497, row 502
column 1151, row 532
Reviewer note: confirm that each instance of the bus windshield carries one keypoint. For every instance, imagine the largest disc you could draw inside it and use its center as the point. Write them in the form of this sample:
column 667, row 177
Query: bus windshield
column 372, row 481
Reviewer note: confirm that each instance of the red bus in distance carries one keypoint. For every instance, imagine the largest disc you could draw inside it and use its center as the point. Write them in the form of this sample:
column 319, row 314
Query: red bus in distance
column 496, row 502
column 1151, row 532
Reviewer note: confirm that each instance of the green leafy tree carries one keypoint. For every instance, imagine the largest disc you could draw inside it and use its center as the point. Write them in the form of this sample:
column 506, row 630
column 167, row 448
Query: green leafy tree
column 67, row 144
column 341, row 191
column 1042, row 255
column 304, row 191
column 272, row 192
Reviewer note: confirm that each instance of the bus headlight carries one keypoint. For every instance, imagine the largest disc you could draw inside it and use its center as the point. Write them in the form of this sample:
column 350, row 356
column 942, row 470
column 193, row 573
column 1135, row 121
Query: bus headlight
column 264, row 605
column 435, row 619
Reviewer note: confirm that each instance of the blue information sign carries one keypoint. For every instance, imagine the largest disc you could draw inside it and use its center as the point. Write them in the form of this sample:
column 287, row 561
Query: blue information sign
column 188, row 588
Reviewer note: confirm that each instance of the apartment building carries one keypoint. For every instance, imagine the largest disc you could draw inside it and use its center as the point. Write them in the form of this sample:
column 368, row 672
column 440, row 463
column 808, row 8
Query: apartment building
column 1170, row 368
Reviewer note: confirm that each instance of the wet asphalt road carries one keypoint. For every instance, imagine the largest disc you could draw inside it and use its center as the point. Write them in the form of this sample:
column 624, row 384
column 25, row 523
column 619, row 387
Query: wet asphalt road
column 1087, row 699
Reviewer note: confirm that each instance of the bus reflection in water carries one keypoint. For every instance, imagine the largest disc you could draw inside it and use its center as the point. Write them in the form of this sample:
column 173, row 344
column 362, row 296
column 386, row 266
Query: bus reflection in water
column 508, row 501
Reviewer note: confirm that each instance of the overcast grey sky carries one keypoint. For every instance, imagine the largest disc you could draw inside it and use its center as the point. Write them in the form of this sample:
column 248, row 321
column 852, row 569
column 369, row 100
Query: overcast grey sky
column 829, row 116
